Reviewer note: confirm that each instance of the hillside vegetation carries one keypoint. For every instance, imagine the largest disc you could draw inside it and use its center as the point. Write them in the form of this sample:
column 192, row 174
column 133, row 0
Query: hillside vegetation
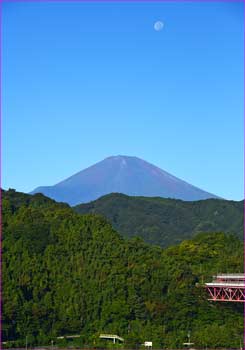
column 65, row 273
column 166, row 222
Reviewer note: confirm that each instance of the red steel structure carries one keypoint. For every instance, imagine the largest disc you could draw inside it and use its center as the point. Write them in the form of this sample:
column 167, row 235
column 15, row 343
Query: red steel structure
column 227, row 287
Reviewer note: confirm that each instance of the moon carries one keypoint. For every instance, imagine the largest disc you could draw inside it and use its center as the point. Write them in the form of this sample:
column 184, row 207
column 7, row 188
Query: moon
column 158, row 26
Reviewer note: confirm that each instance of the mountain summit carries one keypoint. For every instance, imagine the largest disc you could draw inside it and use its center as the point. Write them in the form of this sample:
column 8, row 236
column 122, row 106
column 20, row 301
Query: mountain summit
column 129, row 175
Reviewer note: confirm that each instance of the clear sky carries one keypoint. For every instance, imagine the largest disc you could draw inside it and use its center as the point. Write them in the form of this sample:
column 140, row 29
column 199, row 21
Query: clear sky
column 86, row 80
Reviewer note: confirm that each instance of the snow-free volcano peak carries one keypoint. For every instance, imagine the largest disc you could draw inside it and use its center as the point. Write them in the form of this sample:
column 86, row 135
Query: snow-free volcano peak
column 123, row 174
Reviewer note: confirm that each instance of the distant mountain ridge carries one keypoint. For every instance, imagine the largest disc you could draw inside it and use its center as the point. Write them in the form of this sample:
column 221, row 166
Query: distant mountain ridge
column 165, row 222
column 123, row 174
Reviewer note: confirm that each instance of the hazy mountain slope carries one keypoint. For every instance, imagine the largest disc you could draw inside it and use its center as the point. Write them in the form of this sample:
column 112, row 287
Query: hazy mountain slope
column 167, row 221
column 128, row 175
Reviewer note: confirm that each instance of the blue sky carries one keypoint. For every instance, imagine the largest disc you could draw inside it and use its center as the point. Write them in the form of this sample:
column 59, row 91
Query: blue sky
column 82, row 81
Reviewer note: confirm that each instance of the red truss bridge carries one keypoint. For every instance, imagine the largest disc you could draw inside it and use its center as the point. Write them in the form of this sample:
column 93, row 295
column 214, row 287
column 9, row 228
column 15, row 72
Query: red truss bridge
column 227, row 287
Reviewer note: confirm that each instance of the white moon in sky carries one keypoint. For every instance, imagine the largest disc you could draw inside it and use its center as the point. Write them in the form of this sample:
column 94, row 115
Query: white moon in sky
column 158, row 26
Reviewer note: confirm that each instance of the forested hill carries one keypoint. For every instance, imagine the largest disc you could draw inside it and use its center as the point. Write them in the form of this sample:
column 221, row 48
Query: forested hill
column 65, row 273
column 15, row 200
column 167, row 221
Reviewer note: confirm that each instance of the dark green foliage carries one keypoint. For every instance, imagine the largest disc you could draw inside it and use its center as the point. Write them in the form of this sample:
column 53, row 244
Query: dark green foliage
column 65, row 273
column 166, row 222
column 19, row 199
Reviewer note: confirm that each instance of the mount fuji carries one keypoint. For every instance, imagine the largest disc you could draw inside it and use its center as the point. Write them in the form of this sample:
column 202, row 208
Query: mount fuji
column 122, row 174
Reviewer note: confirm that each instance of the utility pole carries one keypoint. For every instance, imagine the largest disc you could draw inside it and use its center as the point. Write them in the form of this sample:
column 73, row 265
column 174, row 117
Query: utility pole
column 189, row 340
column 52, row 344
column 26, row 342
column 189, row 336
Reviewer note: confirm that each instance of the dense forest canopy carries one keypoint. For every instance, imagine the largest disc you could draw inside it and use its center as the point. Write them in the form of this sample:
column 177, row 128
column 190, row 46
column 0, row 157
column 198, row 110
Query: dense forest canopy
column 165, row 221
column 64, row 273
